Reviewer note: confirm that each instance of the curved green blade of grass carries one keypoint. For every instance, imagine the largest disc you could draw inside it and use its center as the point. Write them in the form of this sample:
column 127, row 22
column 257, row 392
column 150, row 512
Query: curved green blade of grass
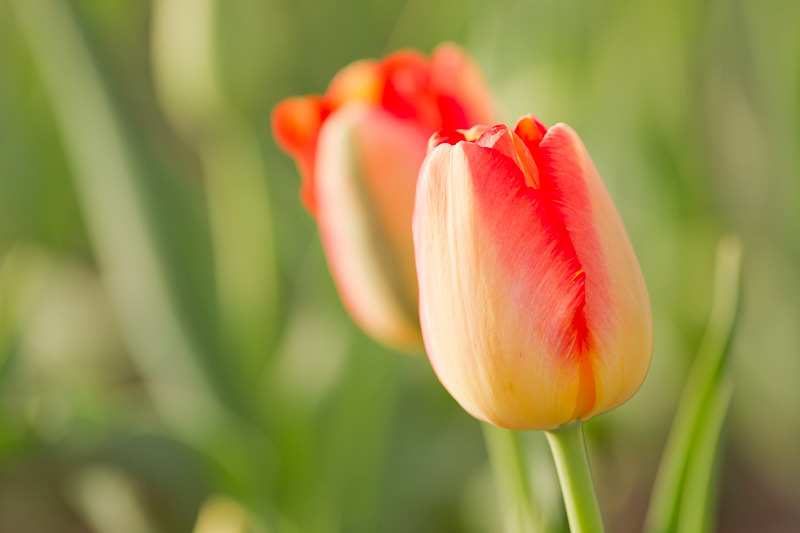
column 110, row 187
column 24, row 271
column 107, row 184
column 698, row 503
column 684, row 484
column 189, row 85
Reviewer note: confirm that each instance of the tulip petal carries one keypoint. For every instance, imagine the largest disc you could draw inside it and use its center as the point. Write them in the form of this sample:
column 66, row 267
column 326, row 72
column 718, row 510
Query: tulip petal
column 617, row 310
column 365, row 185
column 531, row 131
column 464, row 96
column 492, row 251
column 361, row 81
column 406, row 93
column 296, row 123
column 511, row 145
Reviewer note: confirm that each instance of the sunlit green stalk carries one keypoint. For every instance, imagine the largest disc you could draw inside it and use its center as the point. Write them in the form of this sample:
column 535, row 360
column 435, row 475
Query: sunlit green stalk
column 698, row 505
column 509, row 467
column 108, row 184
column 684, row 473
column 572, row 463
column 189, row 84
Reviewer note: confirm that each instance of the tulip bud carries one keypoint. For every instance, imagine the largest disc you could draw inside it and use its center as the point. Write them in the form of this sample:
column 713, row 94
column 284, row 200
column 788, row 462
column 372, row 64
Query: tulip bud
column 533, row 307
column 359, row 148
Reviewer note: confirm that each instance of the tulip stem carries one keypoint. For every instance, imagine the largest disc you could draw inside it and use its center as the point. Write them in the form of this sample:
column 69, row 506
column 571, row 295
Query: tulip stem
column 511, row 477
column 572, row 463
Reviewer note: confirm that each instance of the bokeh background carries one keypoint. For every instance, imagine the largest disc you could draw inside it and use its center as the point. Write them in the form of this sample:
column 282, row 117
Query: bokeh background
column 173, row 354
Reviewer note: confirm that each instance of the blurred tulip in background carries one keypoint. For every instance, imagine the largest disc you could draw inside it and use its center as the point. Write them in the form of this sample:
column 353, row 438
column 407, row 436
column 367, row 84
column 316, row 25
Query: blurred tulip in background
column 359, row 148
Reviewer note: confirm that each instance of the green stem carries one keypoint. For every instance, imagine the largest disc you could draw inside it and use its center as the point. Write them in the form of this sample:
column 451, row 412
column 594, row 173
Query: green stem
column 510, row 475
column 569, row 452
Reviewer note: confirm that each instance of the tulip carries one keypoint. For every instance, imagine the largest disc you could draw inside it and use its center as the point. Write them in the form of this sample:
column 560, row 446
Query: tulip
column 358, row 149
column 533, row 307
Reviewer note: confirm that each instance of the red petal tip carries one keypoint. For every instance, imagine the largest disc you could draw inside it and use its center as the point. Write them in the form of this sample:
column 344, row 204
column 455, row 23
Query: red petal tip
column 530, row 130
column 296, row 123
column 444, row 136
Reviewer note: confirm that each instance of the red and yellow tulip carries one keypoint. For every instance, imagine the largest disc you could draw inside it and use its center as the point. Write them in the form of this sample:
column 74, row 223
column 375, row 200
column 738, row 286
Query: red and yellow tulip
column 533, row 307
column 359, row 148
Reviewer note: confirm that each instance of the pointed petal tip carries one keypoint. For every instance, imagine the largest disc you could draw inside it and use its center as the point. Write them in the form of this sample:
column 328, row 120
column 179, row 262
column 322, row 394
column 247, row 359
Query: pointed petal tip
column 296, row 123
column 358, row 82
column 444, row 136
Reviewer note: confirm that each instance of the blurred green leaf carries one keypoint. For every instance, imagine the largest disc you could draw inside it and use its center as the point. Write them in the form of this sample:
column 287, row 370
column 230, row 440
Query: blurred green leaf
column 23, row 275
column 106, row 179
column 185, row 43
column 192, row 400
column 519, row 505
column 681, row 492
column 698, row 506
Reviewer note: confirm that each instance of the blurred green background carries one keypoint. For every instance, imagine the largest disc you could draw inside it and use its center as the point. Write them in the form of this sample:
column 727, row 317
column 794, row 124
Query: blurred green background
column 173, row 354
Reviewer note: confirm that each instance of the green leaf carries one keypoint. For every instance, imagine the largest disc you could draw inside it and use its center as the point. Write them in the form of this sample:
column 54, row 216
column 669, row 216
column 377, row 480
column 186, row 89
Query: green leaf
column 519, row 507
column 111, row 187
column 189, row 87
column 24, row 272
column 683, row 490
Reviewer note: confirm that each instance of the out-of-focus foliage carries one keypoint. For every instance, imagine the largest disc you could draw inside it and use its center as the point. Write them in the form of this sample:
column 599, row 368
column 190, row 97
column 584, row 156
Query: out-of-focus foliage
column 173, row 355
column 685, row 491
